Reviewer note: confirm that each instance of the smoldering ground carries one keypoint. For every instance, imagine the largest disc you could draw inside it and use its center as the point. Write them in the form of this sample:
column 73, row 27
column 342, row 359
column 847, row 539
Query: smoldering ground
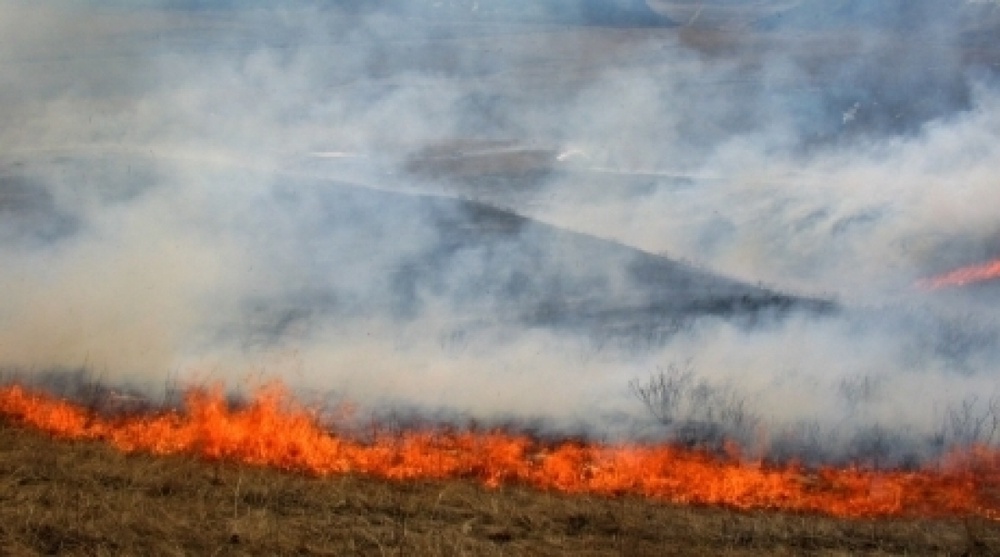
column 515, row 214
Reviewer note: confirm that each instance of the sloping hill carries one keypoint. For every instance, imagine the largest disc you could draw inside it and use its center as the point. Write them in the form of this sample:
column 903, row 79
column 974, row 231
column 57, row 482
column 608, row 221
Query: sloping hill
column 492, row 264
column 358, row 251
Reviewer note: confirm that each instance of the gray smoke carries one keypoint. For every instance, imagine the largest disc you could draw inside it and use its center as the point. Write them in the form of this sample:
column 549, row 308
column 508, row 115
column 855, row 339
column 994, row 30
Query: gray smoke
column 516, row 211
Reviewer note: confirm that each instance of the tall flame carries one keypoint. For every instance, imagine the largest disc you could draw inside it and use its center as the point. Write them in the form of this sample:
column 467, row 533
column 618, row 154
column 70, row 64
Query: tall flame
column 963, row 276
column 275, row 431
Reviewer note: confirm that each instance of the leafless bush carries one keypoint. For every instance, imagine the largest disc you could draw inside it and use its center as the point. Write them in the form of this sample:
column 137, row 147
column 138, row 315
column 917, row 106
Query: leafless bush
column 859, row 390
column 973, row 421
column 694, row 411
column 808, row 441
column 873, row 445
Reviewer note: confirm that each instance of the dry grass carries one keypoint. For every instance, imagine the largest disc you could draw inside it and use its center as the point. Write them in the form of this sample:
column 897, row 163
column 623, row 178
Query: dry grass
column 61, row 498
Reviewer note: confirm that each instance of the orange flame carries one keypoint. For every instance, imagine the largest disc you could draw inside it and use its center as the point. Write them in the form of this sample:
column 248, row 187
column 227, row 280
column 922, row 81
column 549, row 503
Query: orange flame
column 963, row 276
column 274, row 431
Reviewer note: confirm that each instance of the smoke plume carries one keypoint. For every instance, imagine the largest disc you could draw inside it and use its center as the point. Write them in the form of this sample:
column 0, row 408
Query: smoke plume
column 516, row 211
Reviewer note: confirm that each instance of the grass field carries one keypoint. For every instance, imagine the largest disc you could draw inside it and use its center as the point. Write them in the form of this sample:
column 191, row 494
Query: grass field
column 84, row 498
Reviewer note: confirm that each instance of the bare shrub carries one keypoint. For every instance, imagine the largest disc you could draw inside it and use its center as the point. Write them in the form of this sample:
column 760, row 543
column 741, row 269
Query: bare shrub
column 694, row 411
column 973, row 421
column 858, row 391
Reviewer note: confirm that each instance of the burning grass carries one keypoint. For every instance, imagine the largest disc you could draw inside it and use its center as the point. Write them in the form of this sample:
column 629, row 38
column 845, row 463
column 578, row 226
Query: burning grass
column 86, row 498
column 272, row 430
column 963, row 276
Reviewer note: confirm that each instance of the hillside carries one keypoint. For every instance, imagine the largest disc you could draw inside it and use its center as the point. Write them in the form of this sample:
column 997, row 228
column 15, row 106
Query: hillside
column 479, row 262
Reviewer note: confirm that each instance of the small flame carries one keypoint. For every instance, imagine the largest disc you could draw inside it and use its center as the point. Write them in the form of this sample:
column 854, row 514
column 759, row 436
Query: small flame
column 963, row 276
column 274, row 431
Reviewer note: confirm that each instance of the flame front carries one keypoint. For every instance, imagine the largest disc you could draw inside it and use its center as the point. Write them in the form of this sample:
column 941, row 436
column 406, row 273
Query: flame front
column 276, row 432
column 963, row 276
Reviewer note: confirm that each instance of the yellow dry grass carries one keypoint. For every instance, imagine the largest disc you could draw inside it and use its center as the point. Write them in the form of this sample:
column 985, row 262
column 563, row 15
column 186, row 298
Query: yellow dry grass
column 59, row 498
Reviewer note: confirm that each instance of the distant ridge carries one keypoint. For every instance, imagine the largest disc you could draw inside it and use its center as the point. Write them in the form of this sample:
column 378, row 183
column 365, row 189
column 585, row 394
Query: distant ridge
column 491, row 264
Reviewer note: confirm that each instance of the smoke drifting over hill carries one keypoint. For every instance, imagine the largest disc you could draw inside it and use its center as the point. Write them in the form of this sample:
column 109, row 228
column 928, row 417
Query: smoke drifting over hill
column 513, row 211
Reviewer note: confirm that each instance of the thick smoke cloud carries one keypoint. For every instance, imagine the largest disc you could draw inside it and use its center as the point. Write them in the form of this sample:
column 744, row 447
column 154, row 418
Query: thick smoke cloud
column 513, row 211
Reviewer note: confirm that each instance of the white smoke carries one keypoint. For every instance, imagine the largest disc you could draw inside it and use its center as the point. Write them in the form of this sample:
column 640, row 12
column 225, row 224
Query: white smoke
column 229, row 190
